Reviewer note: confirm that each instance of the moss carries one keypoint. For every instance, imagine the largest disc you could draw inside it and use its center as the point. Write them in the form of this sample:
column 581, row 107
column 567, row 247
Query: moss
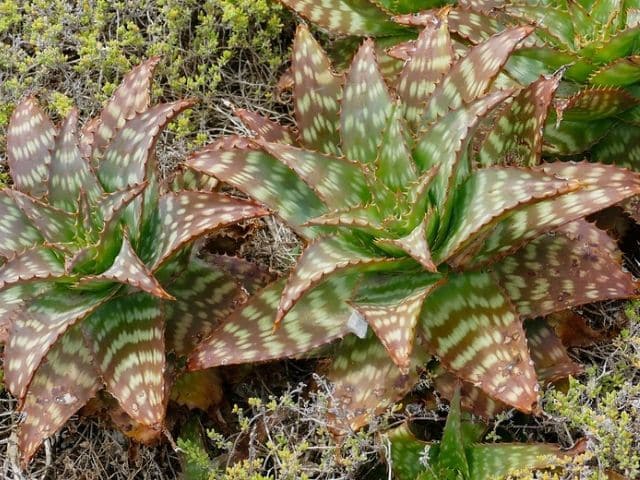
column 79, row 50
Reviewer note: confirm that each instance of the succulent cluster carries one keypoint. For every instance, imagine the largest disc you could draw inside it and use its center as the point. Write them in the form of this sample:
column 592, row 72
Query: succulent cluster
column 97, row 282
column 429, row 218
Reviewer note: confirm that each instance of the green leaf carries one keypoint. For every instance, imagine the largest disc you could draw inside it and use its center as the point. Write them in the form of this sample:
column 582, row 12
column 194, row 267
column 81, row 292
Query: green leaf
column 470, row 77
column 69, row 172
column 471, row 326
column 555, row 272
column 247, row 335
column 414, row 244
column 488, row 195
column 366, row 107
column 473, row 26
column 596, row 103
column 16, row 231
column 337, row 181
column 452, row 446
column 187, row 215
column 553, row 22
column 55, row 225
column 444, row 144
column 324, row 257
column 347, row 17
column 30, row 139
column 204, row 297
column 38, row 326
column 264, row 178
column 128, row 269
column 60, row 387
column 500, row 459
column 473, row 399
column 266, row 129
column 621, row 146
column 429, row 60
column 406, row 452
column 127, row 159
column 316, row 95
column 619, row 73
column 130, row 99
column 394, row 317
column 126, row 338
column 367, row 218
column 366, row 380
column 570, row 138
column 34, row 264
column 394, row 166
column 516, row 135
column 601, row 187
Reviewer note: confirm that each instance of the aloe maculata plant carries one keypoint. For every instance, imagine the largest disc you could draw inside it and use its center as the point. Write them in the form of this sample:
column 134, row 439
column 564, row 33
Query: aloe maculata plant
column 460, row 455
column 414, row 226
column 97, row 279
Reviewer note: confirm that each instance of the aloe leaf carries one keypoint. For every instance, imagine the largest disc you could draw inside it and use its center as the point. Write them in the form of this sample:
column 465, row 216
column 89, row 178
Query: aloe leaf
column 470, row 77
column 619, row 45
column 619, row 73
column 347, row 17
column 552, row 21
column 414, row 244
column 500, row 459
column 552, row 273
column 247, row 335
column 126, row 338
column 596, row 103
column 337, row 181
column 367, row 218
column 128, row 269
column 55, row 225
column 452, row 446
column 444, row 144
column 17, row 233
column 130, row 99
column 601, row 187
column 316, row 95
column 188, row 215
column 429, row 60
column 68, row 171
column 620, row 147
column 394, row 166
column 551, row 359
column 265, row 128
column 406, row 452
column 36, row 329
column 391, row 308
column 30, row 139
column 126, row 160
column 366, row 107
column 516, row 135
column 571, row 138
column 264, row 178
column 472, row 399
column 60, row 387
column 37, row 263
column 366, row 380
column 324, row 257
column 488, row 195
column 472, row 25
column 12, row 299
column 204, row 297
column 486, row 347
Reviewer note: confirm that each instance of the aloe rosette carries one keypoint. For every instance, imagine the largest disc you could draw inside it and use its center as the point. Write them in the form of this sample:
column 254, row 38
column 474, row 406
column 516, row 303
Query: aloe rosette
column 414, row 226
column 97, row 279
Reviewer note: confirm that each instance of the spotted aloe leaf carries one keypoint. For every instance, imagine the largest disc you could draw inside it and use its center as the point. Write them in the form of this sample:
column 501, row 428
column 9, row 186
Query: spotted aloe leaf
column 459, row 454
column 90, row 245
column 445, row 217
